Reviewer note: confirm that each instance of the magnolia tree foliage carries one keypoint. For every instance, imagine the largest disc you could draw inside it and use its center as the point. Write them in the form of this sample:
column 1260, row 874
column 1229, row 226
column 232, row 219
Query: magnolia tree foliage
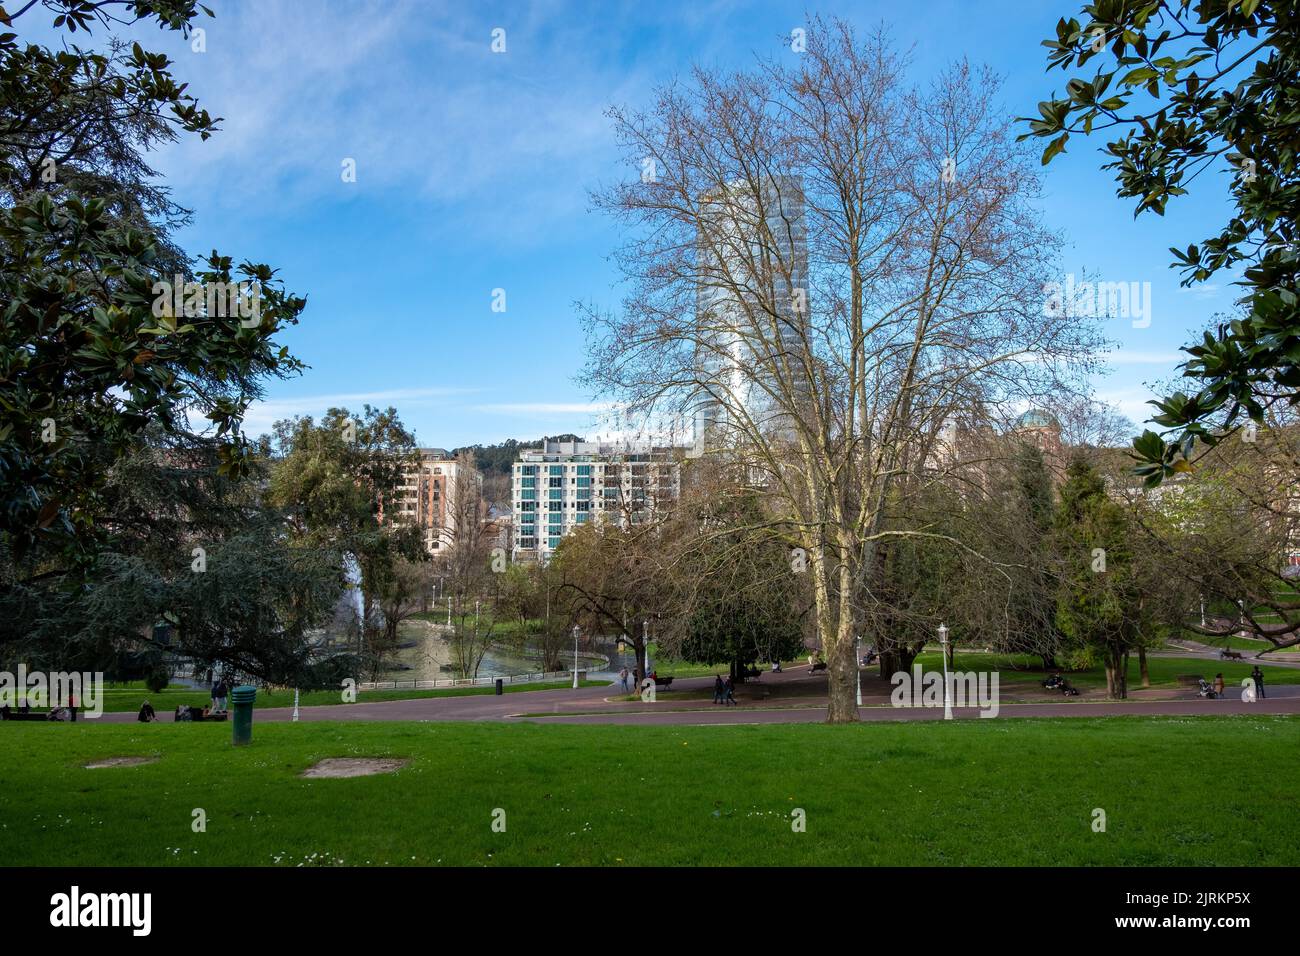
column 86, row 364
column 1186, row 88
column 121, row 425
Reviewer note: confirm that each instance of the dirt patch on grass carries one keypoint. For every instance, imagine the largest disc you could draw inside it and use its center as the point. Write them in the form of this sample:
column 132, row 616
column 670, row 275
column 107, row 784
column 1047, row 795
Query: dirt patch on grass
column 120, row 762
column 354, row 766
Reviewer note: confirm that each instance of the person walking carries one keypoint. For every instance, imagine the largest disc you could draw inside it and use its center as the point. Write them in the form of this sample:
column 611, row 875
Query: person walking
column 719, row 691
column 1218, row 684
column 731, row 692
column 219, row 692
column 622, row 679
column 1257, row 676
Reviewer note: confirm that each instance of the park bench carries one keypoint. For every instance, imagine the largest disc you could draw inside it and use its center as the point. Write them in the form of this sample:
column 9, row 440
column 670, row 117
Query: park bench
column 662, row 682
column 818, row 666
column 29, row 715
column 1228, row 654
column 8, row 713
column 196, row 715
column 1188, row 680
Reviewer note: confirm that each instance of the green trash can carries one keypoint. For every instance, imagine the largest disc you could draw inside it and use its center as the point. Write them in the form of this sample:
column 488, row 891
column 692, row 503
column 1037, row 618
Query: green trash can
column 242, row 720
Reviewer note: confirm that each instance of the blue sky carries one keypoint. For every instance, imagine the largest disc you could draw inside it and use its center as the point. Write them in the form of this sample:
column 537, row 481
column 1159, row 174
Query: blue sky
column 473, row 170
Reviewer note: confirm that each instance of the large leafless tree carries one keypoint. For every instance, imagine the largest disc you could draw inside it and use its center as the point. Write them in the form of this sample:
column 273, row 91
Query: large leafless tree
column 844, row 273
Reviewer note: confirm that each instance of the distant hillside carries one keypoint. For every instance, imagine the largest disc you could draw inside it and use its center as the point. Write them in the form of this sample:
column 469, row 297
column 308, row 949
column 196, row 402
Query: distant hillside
column 497, row 459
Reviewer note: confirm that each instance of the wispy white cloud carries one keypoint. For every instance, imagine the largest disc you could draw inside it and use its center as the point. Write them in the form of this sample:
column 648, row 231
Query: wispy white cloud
column 1135, row 357
column 1130, row 402
column 429, row 114
column 545, row 408
column 263, row 414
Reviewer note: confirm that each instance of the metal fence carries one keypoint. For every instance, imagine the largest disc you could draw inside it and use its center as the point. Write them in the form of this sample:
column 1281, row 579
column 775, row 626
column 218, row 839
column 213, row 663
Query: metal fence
column 463, row 681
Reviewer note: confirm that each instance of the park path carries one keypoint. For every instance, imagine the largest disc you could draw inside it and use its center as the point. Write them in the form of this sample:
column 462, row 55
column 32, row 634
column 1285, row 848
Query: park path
column 593, row 705
column 1186, row 648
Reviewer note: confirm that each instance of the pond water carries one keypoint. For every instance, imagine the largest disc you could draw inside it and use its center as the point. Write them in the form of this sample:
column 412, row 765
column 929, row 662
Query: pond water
column 425, row 660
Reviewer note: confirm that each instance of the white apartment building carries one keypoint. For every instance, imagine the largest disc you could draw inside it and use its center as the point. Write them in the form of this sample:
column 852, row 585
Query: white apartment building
column 562, row 485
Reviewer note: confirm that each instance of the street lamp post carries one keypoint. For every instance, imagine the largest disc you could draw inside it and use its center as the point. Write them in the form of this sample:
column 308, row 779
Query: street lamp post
column 857, row 666
column 576, row 631
column 943, row 647
column 295, row 705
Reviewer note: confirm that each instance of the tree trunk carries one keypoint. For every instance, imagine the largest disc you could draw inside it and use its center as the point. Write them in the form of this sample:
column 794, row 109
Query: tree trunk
column 638, row 646
column 1142, row 662
column 842, row 705
column 1116, row 669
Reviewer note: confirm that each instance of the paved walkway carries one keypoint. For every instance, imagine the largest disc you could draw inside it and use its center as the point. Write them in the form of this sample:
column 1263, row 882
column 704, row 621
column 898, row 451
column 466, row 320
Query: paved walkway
column 801, row 701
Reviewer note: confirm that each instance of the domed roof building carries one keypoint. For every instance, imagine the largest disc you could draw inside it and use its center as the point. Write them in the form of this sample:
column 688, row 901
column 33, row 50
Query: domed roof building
column 1037, row 418
column 1042, row 430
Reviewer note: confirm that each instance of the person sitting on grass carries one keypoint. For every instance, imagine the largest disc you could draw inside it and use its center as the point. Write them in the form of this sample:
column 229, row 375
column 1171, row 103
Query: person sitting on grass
column 146, row 713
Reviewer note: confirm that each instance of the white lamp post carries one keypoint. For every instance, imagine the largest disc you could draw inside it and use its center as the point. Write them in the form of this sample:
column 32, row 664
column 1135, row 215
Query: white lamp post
column 576, row 631
column 943, row 649
column 295, row 705
column 857, row 666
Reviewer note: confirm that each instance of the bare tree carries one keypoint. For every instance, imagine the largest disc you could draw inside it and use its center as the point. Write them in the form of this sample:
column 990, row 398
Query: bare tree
column 834, row 275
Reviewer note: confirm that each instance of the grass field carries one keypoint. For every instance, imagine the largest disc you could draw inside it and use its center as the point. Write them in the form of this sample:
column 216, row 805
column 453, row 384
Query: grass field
column 1176, row 791
column 128, row 698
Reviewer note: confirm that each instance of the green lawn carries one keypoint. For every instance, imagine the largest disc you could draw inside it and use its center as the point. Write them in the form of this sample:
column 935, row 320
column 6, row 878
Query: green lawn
column 1176, row 792
column 129, row 697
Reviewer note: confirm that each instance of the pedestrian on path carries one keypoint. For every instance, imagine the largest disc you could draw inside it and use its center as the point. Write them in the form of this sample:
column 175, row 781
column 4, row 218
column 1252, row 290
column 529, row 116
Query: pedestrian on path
column 622, row 679
column 1218, row 685
column 219, row 692
column 719, row 691
column 731, row 692
column 1257, row 676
